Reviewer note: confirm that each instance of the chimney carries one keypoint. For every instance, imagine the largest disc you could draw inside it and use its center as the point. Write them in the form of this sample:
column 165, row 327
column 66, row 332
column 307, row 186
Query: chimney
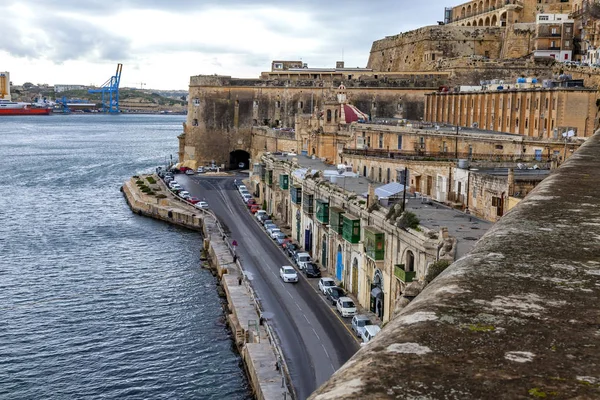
column 371, row 195
column 511, row 181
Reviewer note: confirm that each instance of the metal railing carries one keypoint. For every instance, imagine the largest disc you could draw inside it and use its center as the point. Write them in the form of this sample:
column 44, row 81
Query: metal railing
column 436, row 155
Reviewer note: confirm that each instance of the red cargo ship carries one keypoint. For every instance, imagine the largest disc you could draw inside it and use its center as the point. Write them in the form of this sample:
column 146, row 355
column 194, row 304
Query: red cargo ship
column 17, row 108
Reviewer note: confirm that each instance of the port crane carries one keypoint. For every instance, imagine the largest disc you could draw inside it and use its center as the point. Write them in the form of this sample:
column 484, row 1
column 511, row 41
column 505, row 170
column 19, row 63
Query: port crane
column 110, row 92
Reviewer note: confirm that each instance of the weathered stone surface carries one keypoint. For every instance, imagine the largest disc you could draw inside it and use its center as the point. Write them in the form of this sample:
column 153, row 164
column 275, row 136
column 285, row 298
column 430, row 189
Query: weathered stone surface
column 518, row 317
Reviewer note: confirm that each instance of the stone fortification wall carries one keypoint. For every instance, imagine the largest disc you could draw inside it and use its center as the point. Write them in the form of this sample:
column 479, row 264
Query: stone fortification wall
column 516, row 318
column 518, row 41
column 221, row 116
column 418, row 50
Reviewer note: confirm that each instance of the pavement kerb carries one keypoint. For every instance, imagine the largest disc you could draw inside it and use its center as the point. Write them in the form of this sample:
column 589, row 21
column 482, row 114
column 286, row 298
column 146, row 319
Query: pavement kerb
column 267, row 371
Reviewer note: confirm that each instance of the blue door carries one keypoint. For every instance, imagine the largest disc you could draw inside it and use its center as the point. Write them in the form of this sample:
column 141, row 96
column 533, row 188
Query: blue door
column 339, row 267
column 308, row 240
column 538, row 155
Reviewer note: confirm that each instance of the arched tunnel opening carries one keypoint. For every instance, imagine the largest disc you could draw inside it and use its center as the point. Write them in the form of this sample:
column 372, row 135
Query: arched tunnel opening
column 239, row 159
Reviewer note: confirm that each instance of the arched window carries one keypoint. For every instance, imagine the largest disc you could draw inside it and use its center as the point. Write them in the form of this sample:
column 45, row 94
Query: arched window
column 328, row 115
column 409, row 264
column 336, row 116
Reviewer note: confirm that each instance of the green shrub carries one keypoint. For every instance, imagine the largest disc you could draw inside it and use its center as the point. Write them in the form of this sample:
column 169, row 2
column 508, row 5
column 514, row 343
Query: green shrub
column 136, row 177
column 435, row 269
column 139, row 182
column 409, row 220
column 161, row 196
column 151, row 180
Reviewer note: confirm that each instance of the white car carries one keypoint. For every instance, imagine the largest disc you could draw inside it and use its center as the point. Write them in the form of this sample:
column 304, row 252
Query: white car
column 369, row 333
column 346, row 307
column 302, row 258
column 176, row 187
column 288, row 274
column 173, row 182
column 200, row 170
column 189, row 172
column 241, row 165
column 258, row 214
column 201, row 205
column 359, row 322
column 242, row 187
column 273, row 232
column 244, row 193
column 184, row 194
column 324, row 283
column 246, row 197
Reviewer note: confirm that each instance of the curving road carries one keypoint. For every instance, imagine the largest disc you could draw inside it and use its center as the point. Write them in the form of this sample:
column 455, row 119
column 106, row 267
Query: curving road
column 315, row 343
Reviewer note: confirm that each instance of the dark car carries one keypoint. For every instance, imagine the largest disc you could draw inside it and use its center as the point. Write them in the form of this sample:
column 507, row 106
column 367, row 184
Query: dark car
column 312, row 270
column 334, row 293
column 291, row 249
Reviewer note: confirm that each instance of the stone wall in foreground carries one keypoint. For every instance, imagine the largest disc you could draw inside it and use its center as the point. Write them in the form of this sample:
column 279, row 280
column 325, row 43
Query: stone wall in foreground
column 517, row 318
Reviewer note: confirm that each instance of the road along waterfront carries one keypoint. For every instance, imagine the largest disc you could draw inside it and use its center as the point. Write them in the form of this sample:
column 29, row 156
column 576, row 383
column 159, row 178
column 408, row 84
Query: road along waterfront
column 97, row 302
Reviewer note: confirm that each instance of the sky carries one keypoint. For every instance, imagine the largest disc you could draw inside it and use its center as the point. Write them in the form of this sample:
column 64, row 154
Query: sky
column 161, row 43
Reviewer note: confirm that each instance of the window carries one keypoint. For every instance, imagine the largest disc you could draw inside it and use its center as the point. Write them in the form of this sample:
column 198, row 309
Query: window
column 433, row 57
column 278, row 66
column 546, row 106
column 499, row 147
column 567, row 44
column 381, row 140
column 328, row 115
column 255, row 103
column 277, row 104
column 526, row 123
column 196, row 102
column 516, row 122
column 527, row 106
column 195, row 122
column 554, row 31
column 399, row 142
column 542, row 17
column 301, row 104
column 568, row 29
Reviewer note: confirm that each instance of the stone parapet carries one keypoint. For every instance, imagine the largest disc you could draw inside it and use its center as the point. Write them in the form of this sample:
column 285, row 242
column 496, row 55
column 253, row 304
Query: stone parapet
column 254, row 339
column 518, row 317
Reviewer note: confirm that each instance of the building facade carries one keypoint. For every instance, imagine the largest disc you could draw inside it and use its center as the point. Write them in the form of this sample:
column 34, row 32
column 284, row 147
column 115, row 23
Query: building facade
column 554, row 36
column 536, row 112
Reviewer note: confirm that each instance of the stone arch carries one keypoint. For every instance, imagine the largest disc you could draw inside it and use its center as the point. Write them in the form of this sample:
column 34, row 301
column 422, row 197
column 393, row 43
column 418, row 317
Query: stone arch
column 503, row 19
column 469, row 10
column 480, row 22
column 487, row 5
column 494, row 21
column 463, row 12
column 336, row 117
column 379, row 178
column 481, row 6
column 365, row 171
column 372, row 175
column 475, row 9
column 388, row 176
column 328, row 115
column 487, row 21
column 468, row 24
column 377, row 304
column 237, row 158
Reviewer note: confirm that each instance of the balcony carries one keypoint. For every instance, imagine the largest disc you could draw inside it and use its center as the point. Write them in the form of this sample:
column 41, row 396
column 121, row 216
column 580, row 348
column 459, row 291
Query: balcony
column 374, row 243
column 323, row 211
column 404, row 276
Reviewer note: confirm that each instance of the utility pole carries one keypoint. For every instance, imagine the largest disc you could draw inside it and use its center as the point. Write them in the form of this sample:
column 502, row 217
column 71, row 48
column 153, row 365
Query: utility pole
column 456, row 144
column 404, row 191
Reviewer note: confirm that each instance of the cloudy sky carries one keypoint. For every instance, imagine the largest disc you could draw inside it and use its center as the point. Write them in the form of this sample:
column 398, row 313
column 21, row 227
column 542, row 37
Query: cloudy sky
column 163, row 42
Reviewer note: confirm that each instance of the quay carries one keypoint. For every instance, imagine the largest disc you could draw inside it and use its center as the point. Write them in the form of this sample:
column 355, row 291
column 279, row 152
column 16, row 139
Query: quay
column 254, row 338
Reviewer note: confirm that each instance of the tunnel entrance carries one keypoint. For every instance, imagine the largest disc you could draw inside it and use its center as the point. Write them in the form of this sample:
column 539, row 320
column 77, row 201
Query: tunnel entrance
column 239, row 159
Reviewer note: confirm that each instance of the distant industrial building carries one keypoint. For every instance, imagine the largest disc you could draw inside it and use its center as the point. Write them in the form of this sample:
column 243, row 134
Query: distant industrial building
column 64, row 88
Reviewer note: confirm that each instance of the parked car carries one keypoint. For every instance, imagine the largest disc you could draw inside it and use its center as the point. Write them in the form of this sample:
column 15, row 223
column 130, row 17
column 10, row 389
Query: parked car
column 288, row 274
column 346, row 307
column 359, row 322
column 200, row 170
column 244, row 193
column 176, row 187
column 368, row 333
column 291, row 249
column 193, row 200
column 259, row 213
column 201, row 205
column 302, row 259
column 242, row 187
column 311, row 270
column 254, row 208
column 251, row 203
column 266, row 222
column 189, row 172
column 173, row 182
column 241, row 165
column 280, row 238
column 274, row 232
column 184, row 194
column 168, row 179
column 246, row 197
column 333, row 293
column 325, row 283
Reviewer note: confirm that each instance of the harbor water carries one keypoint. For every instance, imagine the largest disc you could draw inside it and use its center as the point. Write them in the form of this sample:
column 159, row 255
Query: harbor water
column 95, row 301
